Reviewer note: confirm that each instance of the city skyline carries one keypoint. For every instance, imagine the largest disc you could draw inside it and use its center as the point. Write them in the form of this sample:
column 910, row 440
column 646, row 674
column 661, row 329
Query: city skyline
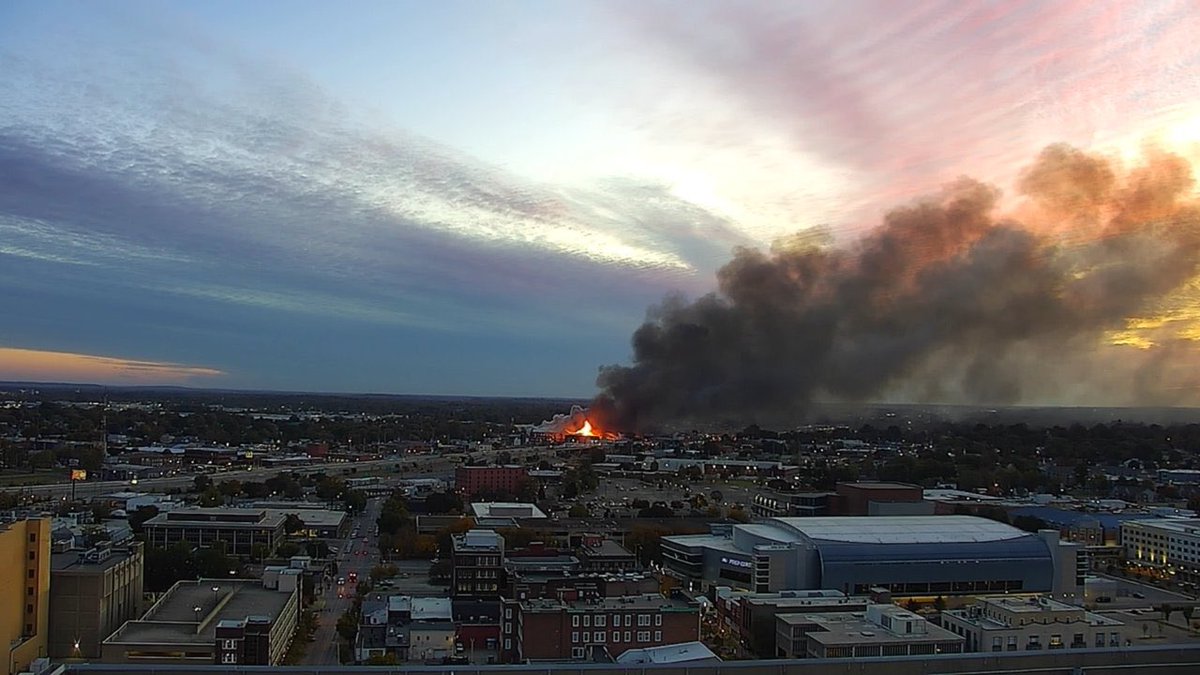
column 484, row 199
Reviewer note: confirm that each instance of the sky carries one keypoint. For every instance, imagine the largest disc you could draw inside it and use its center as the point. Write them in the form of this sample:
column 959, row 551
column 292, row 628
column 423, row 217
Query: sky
column 483, row 198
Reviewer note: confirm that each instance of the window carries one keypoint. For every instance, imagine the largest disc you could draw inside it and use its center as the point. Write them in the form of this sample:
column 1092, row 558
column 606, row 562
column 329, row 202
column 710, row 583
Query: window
column 598, row 637
column 628, row 636
column 1012, row 643
column 31, row 555
column 30, row 574
column 575, row 621
column 1056, row 641
column 575, row 637
column 587, row 619
column 229, row 658
column 658, row 619
column 600, row 621
column 29, row 609
column 1114, row 640
column 643, row 636
column 231, row 644
column 32, row 537
column 643, row 619
column 658, row 636
column 577, row 652
column 616, row 636
column 1099, row 639
column 616, row 620
column 507, row 643
column 508, row 613
column 996, row 643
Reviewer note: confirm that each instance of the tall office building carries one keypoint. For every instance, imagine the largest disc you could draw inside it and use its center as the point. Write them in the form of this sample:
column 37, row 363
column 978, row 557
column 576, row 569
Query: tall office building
column 24, row 591
column 92, row 592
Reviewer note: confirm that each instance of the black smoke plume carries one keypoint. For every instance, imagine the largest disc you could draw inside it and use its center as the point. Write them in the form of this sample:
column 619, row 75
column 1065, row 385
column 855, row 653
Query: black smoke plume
column 945, row 301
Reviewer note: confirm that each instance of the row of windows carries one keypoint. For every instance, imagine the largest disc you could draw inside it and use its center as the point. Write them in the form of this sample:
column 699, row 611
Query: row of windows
column 598, row 637
column 600, row 620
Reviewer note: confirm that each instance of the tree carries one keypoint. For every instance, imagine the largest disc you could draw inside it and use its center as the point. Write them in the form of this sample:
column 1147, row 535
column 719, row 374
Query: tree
column 230, row 488
column 443, row 502
column 717, row 496
column 259, row 552
column 292, row 524
column 164, row 566
column 656, row 511
column 578, row 511
column 347, row 625
column 202, row 483
column 355, row 500
column 210, row 497
column 140, row 516
column 213, row 563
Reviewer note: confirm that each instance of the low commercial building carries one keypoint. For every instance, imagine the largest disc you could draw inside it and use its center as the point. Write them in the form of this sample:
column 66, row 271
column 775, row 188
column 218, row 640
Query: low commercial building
column 847, row 499
column 216, row 621
column 506, row 510
column 598, row 553
column 1164, row 547
column 752, row 615
column 686, row 654
column 24, row 591
column 883, row 630
column 92, row 593
column 906, row 555
column 477, row 564
column 1027, row 623
column 558, row 630
column 240, row 531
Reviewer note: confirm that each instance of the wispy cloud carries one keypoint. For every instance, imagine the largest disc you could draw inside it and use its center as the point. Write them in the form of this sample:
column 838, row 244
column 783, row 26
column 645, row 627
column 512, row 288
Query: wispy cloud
column 50, row 366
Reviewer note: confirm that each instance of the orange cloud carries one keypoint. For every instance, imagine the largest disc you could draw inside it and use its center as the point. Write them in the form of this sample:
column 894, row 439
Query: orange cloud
column 46, row 366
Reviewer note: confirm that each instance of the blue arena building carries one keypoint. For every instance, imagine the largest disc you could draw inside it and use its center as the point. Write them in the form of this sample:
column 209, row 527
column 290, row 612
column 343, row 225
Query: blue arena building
column 909, row 555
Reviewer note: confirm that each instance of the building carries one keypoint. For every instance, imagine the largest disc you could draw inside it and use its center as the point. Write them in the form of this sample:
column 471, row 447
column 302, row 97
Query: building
column 882, row 630
column 506, row 510
column 92, row 593
column 218, row 621
column 1164, row 547
column 752, row 615
column 1026, row 623
column 550, row 629
column 317, row 523
column 526, row 584
column 477, row 564
column 241, row 531
column 493, row 480
column 24, row 591
column 686, row 654
column 598, row 553
column 906, row 555
column 847, row 499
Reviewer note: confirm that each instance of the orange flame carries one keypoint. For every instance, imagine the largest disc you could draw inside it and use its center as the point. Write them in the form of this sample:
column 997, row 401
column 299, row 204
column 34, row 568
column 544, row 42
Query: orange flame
column 586, row 430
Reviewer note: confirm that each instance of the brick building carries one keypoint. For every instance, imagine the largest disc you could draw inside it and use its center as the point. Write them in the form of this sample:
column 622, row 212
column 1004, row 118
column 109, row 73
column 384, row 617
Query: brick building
column 477, row 564
column 559, row 630
column 474, row 480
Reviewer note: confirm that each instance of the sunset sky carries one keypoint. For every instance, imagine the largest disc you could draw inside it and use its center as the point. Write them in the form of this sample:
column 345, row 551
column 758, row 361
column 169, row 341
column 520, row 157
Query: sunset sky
column 484, row 197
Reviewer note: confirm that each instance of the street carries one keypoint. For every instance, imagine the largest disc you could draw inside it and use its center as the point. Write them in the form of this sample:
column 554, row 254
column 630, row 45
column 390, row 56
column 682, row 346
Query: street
column 324, row 648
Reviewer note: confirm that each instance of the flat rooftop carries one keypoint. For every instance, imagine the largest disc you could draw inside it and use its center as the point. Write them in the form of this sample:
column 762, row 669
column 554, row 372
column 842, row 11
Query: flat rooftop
column 843, row 628
column 648, row 601
column 174, row 619
column 1179, row 525
column 68, row 561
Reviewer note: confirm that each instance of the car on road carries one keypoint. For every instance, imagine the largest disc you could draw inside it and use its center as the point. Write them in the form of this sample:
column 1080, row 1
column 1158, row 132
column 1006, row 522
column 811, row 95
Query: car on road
column 341, row 581
column 1139, row 595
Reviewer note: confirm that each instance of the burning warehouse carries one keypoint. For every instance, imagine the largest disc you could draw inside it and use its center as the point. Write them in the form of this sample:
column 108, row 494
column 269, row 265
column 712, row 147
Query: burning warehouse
column 574, row 426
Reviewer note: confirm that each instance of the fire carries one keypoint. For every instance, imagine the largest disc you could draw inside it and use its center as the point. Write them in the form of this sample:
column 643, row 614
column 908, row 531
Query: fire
column 586, row 429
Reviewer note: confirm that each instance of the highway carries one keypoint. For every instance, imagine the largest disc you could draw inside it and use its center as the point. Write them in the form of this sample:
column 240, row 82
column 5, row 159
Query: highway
column 401, row 465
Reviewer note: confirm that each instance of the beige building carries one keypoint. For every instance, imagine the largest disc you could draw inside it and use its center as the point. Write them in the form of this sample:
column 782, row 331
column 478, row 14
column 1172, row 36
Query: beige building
column 92, row 593
column 24, row 591
column 1170, row 547
column 213, row 621
column 1033, row 622
column 882, row 630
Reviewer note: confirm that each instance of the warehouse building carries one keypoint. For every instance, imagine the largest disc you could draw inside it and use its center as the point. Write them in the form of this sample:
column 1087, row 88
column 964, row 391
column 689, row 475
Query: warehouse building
column 907, row 555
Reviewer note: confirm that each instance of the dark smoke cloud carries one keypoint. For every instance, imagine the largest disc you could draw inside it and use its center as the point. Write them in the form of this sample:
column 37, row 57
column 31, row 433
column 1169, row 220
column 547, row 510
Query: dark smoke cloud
column 945, row 301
